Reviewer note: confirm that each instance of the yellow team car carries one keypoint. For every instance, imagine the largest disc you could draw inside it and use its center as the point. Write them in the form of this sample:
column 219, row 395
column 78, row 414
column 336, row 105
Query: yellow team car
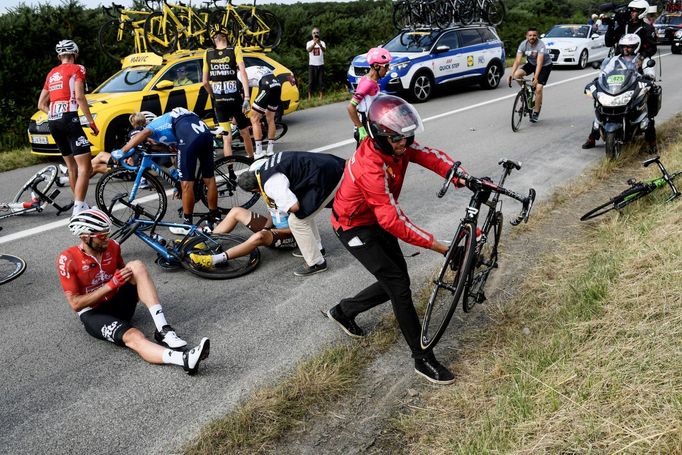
column 148, row 82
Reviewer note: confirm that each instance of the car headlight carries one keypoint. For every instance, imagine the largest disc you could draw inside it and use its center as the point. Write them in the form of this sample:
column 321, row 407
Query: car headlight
column 678, row 34
column 350, row 69
column 84, row 120
column 571, row 49
column 399, row 66
column 620, row 100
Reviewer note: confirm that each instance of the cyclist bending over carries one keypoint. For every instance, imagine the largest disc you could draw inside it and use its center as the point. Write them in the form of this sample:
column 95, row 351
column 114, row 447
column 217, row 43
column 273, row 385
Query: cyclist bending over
column 104, row 291
column 538, row 64
column 266, row 104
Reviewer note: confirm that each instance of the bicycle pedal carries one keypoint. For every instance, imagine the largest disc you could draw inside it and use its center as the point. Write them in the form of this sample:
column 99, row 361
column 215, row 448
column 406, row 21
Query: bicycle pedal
column 480, row 297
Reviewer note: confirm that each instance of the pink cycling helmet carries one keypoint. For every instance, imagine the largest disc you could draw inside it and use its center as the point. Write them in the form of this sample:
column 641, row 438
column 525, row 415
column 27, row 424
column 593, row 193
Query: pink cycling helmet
column 378, row 55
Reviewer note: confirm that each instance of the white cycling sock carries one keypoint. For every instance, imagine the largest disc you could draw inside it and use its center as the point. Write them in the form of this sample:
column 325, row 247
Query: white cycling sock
column 158, row 316
column 219, row 258
column 259, row 147
column 271, row 147
column 173, row 357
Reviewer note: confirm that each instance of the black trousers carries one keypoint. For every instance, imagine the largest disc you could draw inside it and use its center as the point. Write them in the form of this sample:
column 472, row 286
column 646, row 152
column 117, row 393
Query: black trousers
column 379, row 252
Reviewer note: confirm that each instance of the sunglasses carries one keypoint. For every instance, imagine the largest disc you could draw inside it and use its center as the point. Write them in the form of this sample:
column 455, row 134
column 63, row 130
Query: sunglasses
column 101, row 236
column 396, row 138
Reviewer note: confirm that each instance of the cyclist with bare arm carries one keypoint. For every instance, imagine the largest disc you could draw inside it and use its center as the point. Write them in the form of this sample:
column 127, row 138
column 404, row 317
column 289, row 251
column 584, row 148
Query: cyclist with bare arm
column 538, row 65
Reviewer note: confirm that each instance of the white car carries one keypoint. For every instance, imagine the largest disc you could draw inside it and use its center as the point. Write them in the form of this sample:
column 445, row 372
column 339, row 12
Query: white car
column 575, row 44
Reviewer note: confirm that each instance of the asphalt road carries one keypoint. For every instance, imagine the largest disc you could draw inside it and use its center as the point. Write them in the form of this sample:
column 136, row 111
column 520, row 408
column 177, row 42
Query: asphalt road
column 64, row 392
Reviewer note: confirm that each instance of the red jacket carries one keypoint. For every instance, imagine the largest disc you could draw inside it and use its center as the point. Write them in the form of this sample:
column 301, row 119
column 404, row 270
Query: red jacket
column 371, row 186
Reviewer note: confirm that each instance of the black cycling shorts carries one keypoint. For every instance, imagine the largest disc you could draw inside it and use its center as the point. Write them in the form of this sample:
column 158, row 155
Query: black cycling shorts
column 544, row 72
column 194, row 144
column 69, row 136
column 269, row 94
column 110, row 320
column 225, row 110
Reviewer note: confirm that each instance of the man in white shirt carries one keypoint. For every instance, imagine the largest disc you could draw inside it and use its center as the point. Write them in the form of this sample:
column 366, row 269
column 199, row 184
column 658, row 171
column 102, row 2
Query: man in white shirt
column 316, row 49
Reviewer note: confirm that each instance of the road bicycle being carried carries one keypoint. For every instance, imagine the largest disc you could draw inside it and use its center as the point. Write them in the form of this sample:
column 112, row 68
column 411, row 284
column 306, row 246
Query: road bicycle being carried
column 490, row 11
column 523, row 103
column 33, row 195
column 637, row 190
column 251, row 26
column 176, row 254
column 125, row 31
column 472, row 255
column 126, row 181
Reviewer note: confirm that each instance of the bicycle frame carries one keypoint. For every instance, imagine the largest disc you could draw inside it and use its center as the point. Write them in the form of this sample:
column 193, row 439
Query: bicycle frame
column 19, row 208
column 146, row 163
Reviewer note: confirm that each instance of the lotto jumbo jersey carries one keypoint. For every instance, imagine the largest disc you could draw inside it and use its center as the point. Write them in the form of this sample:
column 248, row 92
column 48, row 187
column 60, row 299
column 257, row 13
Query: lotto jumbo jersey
column 222, row 67
column 61, row 84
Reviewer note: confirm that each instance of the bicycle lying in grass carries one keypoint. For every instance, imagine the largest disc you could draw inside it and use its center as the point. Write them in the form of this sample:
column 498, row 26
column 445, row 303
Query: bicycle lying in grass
column 523, row 103
column 638, row 190
column 126, row 180
column 33, row 195
column 175, row 254
column 472, row 256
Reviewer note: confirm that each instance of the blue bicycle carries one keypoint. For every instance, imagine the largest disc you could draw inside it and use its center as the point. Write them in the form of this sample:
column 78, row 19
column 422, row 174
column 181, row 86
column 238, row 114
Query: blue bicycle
column 126, row 180
column 173, row 254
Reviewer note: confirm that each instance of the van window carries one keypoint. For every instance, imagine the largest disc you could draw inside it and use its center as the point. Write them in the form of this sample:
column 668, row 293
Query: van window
column 469, row 37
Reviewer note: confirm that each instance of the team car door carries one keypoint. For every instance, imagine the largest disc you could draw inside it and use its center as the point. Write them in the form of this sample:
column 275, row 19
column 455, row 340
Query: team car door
column 447, row 61
column 179, row 86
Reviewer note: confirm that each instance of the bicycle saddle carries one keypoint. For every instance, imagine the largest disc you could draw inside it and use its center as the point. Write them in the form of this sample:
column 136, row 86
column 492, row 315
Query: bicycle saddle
column 509, row 164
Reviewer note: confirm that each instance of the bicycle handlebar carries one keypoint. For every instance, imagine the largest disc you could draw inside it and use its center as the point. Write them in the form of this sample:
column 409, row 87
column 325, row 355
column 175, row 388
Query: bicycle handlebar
column 475, row 183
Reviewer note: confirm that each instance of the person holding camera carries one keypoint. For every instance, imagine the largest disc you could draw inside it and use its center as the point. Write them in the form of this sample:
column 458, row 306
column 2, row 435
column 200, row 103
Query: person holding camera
column 316, row 49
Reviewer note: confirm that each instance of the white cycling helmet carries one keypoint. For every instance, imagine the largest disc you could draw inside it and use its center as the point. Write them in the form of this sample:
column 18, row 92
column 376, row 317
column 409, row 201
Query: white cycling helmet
column 642, row 6
column 630, row 40
column 66, row 46
column 90, row 221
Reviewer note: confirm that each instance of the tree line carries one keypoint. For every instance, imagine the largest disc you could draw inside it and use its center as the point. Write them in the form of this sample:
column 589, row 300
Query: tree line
column 28, row 35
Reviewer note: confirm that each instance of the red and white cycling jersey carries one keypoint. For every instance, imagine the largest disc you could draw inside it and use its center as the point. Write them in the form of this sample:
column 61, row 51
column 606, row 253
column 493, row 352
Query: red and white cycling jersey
column 61, row 84
column 81, row 274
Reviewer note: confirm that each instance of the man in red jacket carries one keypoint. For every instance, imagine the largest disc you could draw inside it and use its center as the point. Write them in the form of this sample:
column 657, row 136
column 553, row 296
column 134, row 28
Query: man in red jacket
column 368, row 220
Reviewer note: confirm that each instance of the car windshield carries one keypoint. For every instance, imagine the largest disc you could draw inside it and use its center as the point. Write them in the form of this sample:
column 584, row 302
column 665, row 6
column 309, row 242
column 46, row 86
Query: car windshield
column 669, row 20
column 412, row 41
column 131, row 79
column 568, row 31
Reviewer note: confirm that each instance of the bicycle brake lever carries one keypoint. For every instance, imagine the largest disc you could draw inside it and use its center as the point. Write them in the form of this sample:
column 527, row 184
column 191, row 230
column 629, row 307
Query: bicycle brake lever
column 525, row 210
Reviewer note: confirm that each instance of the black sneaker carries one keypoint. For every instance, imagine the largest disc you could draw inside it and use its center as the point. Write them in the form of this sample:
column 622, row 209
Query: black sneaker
column 306, row 270
column 432, row 370
column 589, row 144
column 347, row 325
column 297, row 253
column 191, row 359
column 534, row 117
column 167, row 337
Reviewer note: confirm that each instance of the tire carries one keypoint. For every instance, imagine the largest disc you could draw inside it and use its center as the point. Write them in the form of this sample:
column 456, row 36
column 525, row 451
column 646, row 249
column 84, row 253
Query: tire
column 274, row 36
column 422, row 87
column 449, row 286
column 161, row 35
column 216, row 244
column 43, row 179
column 582, row 60
column 484, row 263
column 466, row 11
column 625, row 198
column 495, row 12
column 518, row 110
column 120, row 182
column 493, row 75
column 443, row 15
column 10, row 267
column 229, row 194
column 613, row 146
column 401, row 15
column 108, row 39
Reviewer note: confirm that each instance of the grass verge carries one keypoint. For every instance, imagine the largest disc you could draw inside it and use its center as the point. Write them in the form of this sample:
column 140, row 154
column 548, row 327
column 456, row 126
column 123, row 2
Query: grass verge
column 14, row 159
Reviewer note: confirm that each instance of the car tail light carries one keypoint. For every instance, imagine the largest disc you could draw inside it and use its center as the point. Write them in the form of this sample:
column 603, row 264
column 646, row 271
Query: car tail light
column 291, row 79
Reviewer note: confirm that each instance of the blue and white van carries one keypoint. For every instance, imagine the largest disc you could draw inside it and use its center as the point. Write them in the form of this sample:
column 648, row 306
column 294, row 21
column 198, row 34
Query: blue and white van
column 425, row 58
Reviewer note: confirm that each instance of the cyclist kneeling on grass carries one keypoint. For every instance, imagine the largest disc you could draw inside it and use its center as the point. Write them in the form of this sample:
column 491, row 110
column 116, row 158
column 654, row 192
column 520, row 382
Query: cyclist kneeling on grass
column 104, row 291
column 368, row 220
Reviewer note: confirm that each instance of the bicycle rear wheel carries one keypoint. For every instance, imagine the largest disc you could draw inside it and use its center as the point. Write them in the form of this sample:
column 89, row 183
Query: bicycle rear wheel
column 43, row 181
column 227, row 169
column 518, row 110
column 161, row 34
column 449, row 285
column 119, row 183
column 274, row 36
column 484, row 263
column 401, row 15
column 109, row 42
column 10, row 267
column 217, row 244
column 625, row 198
column 495, row 12
column 466, row 10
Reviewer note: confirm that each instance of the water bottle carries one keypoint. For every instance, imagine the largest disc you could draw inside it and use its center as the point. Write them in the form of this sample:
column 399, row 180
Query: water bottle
column 159, row 239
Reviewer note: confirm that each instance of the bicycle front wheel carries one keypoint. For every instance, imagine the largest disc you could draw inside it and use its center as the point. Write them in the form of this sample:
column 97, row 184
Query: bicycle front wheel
column 495, row 12
column 518, row 109
column 625, row 198
column 273, row 37
column 449, row 285
column 217, row 244
column 484, row 263
column 119, row 184
column 116, row 38
column 161, row 34
column 227, row 170
column 10, row 267
column 42, row 180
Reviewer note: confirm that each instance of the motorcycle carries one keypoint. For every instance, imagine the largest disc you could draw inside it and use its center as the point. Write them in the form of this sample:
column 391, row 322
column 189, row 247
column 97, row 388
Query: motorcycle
column 620, row 96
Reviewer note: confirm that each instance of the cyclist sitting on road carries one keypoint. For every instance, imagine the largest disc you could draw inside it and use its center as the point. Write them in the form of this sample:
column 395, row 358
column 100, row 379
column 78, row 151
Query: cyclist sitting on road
column 104, row 291
column 183, row 130
column 379, row 61
column 62, row 95
column 267, row 103
column 538, row 63
column 368, row 221
column 220, row 80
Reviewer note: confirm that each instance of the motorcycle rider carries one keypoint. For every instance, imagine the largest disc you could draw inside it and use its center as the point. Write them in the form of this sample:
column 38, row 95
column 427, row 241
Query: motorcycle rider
column 632, row 22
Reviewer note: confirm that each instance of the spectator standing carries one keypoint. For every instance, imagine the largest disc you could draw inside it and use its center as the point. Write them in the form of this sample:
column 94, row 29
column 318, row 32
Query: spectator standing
column 316, row 49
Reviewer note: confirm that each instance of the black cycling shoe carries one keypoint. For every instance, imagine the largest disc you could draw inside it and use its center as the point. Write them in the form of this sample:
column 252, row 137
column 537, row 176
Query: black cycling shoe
column 167, row 337
column 589, row 143
column 347, row 325
column 432, row 370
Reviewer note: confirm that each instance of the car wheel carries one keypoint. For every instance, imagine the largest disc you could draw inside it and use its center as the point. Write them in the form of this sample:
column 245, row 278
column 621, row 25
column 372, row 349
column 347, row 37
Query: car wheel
column 582, row 61
column 493, row 75
column 116, row 134
column 422, row 87
column 675, row 50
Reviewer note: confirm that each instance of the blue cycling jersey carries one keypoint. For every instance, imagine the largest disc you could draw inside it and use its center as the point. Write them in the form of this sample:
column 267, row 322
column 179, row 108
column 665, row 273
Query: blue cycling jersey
column 162, row 129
